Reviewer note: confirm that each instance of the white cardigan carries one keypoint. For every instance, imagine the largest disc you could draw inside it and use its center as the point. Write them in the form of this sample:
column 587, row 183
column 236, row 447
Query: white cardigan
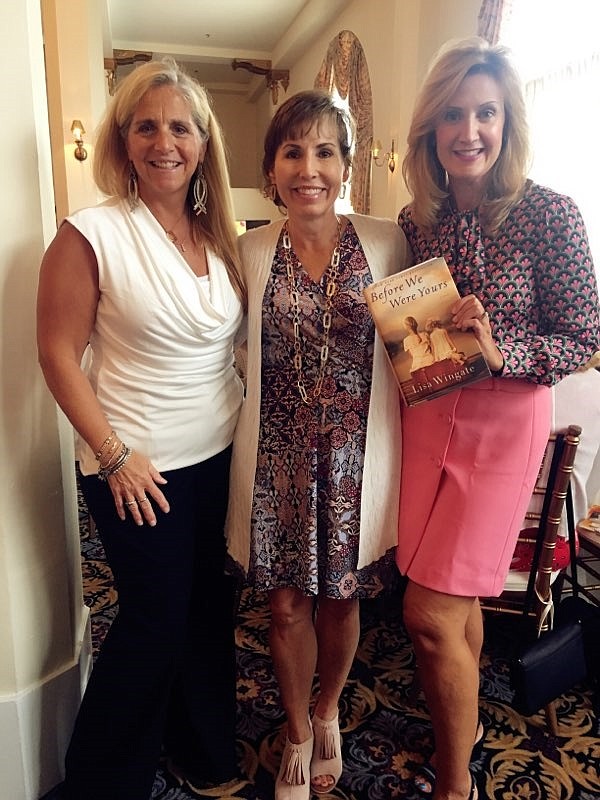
column 387, row 251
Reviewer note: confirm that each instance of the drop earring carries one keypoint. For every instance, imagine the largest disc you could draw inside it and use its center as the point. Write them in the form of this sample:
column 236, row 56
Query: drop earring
column 200, row 191
column 132, row 188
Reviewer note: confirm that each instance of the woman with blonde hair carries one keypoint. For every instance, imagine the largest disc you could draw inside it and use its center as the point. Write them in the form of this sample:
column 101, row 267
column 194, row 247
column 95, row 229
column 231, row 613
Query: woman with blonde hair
column 149, row 279
column 520, row 257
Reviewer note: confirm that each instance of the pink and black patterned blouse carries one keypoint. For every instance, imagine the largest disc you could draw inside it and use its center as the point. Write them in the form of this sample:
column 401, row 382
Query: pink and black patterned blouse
column 535, row 279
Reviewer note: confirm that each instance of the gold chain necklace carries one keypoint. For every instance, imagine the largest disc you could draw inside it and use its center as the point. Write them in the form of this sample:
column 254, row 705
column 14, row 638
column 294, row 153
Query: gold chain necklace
column 175, row 240
column 171, row 236
column 332, row 275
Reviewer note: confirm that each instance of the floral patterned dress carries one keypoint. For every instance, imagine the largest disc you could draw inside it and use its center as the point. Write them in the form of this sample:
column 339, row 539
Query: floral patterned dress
column 306, row 506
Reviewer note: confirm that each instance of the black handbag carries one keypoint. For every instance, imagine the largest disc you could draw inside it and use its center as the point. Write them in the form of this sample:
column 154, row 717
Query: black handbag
column 556, row 661
column 549, row 667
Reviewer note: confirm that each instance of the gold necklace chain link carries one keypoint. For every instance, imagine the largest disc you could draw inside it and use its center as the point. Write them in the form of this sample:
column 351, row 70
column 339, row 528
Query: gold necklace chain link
column 332, row 275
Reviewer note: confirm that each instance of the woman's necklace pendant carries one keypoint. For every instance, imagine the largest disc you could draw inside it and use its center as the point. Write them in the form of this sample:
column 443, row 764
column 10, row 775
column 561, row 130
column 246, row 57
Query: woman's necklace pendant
column 174, row 240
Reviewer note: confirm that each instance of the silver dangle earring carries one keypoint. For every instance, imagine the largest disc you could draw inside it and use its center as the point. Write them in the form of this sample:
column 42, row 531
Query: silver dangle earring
column 342, row 193
column 132, row 188
column 200, row 191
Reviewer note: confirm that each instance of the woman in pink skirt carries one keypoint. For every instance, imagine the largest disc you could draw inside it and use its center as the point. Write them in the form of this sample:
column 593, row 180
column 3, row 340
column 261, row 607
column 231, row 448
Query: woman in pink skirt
column 520, row 258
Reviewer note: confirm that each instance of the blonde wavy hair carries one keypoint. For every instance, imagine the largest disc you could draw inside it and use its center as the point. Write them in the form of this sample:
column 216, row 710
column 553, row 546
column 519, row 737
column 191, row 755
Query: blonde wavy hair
column 425, row 177
column 111, row 165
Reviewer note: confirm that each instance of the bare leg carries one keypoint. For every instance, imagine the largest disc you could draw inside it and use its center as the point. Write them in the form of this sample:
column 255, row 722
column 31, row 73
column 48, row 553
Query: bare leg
column 338, row 629
column 474, row 631
column 446, row 632
column 294, row 652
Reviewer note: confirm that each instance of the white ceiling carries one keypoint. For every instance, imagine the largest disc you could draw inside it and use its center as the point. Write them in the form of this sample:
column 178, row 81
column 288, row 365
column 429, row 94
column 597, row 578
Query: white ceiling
column 206, row 35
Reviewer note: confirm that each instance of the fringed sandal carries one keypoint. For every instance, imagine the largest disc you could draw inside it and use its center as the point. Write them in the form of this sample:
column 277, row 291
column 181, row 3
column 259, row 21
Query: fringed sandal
column 293, row 778
column 327, row 755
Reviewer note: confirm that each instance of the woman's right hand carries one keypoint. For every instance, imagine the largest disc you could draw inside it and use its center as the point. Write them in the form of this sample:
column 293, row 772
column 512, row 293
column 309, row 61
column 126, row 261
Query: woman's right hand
column 134, row 488
column 469, row 314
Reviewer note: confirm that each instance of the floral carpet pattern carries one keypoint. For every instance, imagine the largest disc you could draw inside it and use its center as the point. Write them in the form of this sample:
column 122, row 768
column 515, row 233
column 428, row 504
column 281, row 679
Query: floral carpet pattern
column 385, row 725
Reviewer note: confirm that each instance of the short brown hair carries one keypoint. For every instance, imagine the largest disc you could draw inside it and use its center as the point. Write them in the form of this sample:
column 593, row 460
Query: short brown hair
column 295, row 118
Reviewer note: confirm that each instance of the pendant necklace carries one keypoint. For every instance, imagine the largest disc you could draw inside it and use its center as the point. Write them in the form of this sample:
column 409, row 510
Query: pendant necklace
column 172, row 237
column 331, row 287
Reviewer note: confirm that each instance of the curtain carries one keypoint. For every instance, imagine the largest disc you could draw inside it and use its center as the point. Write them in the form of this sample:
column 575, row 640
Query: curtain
column 560, row 67
column 563, row 107
column 493, row 14
column 345, row 70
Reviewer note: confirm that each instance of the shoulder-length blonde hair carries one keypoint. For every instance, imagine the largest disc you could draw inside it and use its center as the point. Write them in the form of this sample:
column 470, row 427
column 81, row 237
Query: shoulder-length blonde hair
column 424, row 175
column 111, row 167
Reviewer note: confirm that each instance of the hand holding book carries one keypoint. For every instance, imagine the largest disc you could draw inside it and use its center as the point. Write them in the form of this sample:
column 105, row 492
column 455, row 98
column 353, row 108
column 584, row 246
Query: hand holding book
column 427, row 330
column 468, row 313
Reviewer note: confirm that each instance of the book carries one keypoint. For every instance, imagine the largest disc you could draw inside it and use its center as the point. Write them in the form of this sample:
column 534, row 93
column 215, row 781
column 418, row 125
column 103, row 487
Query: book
column 429, row 355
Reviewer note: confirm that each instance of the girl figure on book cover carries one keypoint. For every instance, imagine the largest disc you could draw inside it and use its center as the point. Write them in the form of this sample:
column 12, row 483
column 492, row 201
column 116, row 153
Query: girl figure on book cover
column 442, row 346
column 520, row 257
column 315, row 470
column 417, row 345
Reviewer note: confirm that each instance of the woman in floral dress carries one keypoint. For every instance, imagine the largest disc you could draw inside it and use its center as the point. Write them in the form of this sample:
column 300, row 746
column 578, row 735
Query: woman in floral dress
column 314, row 497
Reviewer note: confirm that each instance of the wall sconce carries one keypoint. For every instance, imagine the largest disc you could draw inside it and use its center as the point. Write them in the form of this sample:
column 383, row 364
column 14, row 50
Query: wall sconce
column 78, row 130
column 385, row 158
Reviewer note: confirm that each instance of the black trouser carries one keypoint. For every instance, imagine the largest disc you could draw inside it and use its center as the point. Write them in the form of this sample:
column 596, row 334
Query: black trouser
column 166, row 671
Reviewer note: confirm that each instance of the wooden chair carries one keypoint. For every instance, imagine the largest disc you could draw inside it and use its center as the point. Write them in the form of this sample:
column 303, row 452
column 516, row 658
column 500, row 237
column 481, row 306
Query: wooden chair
column 529, row 594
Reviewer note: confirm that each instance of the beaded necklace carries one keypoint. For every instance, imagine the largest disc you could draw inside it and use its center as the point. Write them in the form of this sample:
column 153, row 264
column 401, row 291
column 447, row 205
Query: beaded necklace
column 331, row 287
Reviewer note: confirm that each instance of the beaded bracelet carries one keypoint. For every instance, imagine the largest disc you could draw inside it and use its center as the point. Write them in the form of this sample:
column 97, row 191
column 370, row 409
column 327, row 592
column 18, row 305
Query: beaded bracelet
column 116, row 465
column 112, row 455
column 112, row 435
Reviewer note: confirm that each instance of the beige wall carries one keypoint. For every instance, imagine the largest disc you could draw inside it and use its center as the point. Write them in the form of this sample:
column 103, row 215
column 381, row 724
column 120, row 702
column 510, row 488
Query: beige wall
column 76, row 90
column 44, row 655
column 238, row 118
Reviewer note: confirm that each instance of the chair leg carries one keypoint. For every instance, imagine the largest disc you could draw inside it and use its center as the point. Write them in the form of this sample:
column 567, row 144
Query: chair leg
column 551, row 719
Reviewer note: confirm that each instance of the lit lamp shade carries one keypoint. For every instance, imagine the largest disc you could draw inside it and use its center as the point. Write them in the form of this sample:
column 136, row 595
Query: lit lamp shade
column 78, row 130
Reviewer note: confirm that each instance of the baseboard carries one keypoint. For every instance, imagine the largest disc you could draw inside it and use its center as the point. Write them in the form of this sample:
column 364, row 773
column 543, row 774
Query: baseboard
column 36, row 724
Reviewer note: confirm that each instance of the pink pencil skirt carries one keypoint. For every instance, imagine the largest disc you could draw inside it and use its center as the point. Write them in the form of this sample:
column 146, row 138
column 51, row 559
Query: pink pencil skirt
column 469, row 464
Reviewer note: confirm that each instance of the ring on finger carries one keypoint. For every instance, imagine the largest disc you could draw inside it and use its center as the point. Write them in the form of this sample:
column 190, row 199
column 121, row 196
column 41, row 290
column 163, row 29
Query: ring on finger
column 143, row 500
column 130, row 502
column 482, row 316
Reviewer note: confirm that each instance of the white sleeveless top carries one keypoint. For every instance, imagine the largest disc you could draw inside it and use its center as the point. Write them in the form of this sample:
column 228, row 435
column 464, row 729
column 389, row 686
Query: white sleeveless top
column 162, row 345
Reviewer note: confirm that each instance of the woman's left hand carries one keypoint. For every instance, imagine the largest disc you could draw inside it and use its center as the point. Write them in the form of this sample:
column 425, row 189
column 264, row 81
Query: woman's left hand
column 469, row 314
column 135, row 488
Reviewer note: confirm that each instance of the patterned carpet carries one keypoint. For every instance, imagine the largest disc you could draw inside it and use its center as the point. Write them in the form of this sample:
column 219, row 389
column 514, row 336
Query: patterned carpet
column 386, row 731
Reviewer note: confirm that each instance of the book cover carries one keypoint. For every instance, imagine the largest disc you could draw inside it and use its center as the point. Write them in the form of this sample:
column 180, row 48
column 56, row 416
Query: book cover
column 429, row 355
